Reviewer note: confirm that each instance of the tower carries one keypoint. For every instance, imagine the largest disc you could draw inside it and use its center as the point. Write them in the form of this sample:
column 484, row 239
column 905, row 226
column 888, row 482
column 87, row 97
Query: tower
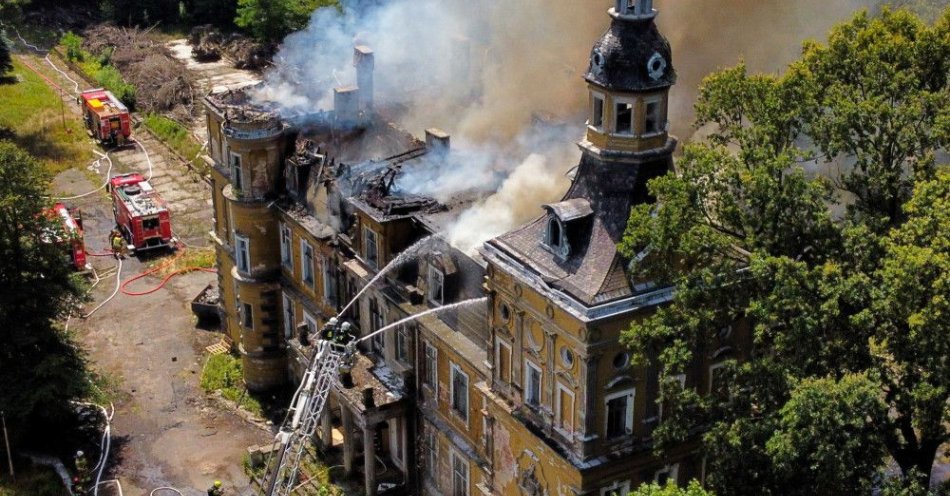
column 629, row 79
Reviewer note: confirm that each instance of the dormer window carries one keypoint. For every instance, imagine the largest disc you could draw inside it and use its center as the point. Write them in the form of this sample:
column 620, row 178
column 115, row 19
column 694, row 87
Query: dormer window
column 563, row 219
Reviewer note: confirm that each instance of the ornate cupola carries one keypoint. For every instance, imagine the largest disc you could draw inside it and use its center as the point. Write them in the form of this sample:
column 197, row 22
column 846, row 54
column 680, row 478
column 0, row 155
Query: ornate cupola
column 629, row 79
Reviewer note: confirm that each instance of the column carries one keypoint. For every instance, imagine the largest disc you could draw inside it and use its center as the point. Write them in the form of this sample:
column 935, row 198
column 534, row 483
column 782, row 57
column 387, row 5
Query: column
column 588, row 415
column 347, row 418
column 326, row 427
column 369, row 459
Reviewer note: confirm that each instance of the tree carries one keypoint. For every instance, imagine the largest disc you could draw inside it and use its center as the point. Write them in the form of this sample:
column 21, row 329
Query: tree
column 272, row 20
column 839, row 276
column 671, row 489
column 6, row 62
column 40, row 368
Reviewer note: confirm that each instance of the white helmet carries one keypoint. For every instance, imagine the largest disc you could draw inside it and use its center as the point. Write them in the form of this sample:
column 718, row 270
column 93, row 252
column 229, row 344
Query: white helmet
column 79, row 454
column 346, row 327
column 333, row 321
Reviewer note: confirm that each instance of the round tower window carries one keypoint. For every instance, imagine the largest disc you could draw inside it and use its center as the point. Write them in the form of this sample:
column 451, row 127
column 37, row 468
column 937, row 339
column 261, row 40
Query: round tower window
column 567, row 357
column 505, row 313
column 621, row 360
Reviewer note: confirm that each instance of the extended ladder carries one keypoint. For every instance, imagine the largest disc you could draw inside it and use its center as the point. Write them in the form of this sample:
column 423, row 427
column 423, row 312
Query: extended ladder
column 303, row 417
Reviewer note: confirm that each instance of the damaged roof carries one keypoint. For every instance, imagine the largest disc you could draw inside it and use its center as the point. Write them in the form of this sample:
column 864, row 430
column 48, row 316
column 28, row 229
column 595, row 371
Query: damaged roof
column 593, row 272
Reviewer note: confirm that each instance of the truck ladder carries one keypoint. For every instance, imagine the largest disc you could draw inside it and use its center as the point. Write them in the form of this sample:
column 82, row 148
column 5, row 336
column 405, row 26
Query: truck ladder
column 302, row 418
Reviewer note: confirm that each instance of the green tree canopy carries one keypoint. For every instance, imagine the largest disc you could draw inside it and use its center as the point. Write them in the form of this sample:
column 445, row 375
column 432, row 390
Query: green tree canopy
column 272, row 20
column 842, row 277
column 40, row 368
column 6, row 61
column 671, row 489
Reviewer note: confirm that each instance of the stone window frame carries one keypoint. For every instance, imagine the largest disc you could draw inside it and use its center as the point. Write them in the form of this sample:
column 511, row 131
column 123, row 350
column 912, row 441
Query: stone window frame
column 403, row 342
column 499, row 344
column 594, row 97
column 373, row 261
column 242, row 256
column 457, row 460
column 431, row 440
column 629, row 415
column 632, row 101
column 558, row 421
column 660, row 121
column 289, row 313
column 329, row 281
column 430, row 377
column 286, row 247
column 462, row 413
column 306, row 267
column 528, row 365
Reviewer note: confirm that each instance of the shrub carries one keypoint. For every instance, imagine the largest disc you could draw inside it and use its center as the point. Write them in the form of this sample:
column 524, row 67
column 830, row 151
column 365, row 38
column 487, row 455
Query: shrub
column 73, row 44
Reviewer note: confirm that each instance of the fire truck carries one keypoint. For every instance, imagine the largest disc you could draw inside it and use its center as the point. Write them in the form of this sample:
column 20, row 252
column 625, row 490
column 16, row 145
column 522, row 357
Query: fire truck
column 72, row 241
column 140, row 212
column 106, row 118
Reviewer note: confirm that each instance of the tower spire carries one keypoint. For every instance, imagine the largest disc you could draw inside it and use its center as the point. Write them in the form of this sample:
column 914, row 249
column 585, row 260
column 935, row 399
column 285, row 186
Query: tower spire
column 633, row 10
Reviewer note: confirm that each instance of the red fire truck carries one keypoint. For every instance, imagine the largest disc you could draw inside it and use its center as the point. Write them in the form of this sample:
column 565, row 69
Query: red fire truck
column 106, row 118
column 73, row 244
column 140, row 212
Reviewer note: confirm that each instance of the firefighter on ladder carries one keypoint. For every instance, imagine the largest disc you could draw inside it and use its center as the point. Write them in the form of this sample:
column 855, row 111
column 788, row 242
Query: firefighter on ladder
column 330, row 329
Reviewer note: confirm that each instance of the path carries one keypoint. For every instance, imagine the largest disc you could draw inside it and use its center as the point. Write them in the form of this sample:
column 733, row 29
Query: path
column 166, row 430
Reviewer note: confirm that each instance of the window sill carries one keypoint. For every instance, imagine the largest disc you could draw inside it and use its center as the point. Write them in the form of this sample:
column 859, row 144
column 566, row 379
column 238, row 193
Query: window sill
column 458, row 416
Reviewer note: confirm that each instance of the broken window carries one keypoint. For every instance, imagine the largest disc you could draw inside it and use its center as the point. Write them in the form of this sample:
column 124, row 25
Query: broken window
column 459, row 475
column 306, row 269
column 289, row 319
column 237, row 175
column 532, row 381
column 597, row 112
column 432, row 448
column 430, row 371
column 329, row 281
column 242, row 255
column 620, row 413
column 436, row 283
column 247, row 316
column 624, row 120
column 652, row 118
column 286, row 252
column 459, row 392
column 402, row 344
column 370, row 248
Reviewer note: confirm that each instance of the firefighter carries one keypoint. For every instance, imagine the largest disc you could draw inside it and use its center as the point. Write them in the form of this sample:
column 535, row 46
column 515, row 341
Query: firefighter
column 343, row 337
column 117, row 243
column 215, row 489
column 329, row 331
column 80, row 481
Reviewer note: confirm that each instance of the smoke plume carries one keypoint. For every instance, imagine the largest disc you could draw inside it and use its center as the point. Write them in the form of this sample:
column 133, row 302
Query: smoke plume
column 486, row 70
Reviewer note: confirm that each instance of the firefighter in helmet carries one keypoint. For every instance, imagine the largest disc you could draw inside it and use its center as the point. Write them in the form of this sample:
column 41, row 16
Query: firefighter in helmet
column 343, row 336
column 117, row 243
column 80, row 481
column 216, row 489
column 330, row 331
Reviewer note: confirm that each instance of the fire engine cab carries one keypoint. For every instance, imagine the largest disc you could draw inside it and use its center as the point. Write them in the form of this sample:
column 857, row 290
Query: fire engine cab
column 106, row 118
column 73, row 244
column 140, row 212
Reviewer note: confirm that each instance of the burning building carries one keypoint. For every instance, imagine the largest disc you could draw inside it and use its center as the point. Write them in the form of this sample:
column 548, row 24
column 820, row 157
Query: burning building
column 524, row 387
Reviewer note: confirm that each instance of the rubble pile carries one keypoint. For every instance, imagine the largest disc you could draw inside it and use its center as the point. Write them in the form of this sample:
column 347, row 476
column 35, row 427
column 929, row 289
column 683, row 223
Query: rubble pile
column 161, row 84
column 209, row 44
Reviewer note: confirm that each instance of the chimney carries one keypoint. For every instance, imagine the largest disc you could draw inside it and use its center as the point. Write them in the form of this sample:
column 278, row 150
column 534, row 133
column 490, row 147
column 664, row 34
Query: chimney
column 363, row 60
column 437, row 141
column 368, row 401
column 346, row 105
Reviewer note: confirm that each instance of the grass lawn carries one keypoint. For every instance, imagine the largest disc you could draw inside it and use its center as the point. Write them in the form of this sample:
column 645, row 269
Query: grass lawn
column 224, row 373
column 31, row 115
column 32, row 480
column 178, row 138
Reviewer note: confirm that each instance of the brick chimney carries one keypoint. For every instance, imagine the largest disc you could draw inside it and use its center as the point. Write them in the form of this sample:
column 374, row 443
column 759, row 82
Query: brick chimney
column 437, row 141
column 346, row 105
column 364, row 62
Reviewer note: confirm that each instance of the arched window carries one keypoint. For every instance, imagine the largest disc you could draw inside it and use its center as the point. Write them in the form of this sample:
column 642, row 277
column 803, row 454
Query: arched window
column 554, row 232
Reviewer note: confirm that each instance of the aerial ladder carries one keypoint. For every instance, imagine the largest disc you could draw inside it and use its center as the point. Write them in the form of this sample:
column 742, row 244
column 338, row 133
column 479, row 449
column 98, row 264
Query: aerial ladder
column 302, row 418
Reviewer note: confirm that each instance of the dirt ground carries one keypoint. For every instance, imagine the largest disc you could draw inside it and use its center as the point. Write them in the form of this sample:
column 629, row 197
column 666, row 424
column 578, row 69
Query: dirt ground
column 166, row 430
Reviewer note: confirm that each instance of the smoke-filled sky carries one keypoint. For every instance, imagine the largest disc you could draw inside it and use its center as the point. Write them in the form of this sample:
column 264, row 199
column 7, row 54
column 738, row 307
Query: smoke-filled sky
column 483, row 69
